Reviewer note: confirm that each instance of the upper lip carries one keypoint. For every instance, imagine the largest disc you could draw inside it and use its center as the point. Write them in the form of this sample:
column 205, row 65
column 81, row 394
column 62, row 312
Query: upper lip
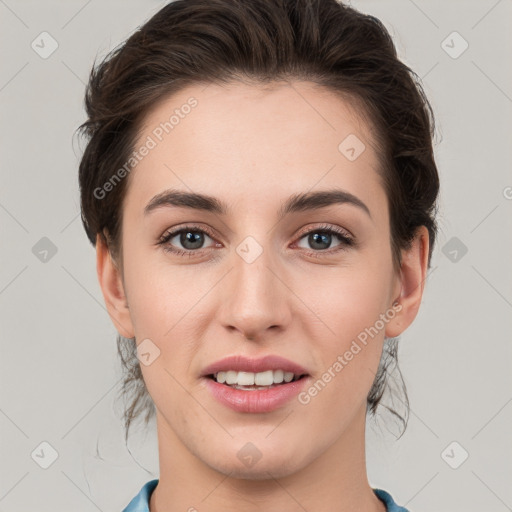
column 245, row 364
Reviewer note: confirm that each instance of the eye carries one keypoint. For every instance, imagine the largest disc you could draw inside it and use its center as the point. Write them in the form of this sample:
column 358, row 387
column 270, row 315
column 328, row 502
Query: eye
column 320, row 239
column 191, row 239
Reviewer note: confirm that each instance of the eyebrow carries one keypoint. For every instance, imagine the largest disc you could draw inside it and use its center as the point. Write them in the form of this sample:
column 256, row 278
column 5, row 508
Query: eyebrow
column 301, row 202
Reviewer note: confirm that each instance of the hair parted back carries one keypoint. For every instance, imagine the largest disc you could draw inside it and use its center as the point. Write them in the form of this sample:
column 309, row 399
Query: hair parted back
column 260, row 41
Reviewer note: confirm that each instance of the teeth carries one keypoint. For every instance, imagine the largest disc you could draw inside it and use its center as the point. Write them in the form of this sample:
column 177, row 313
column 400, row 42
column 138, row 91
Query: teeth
column 267, row 378
column 245, row 379
column 278, row 376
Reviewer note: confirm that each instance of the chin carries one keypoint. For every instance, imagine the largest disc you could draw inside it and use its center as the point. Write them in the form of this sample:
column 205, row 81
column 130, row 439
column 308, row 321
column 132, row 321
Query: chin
column 248, row 464
column 257, row 472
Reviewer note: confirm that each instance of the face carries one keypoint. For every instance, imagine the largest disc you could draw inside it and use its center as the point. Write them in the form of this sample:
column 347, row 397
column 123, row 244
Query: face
column 305, row 284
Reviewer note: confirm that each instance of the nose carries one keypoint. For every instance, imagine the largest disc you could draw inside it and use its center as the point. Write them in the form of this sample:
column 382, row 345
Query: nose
column 256, row 301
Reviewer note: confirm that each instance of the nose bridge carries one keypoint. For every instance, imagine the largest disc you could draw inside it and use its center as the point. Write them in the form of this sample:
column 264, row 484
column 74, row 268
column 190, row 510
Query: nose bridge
column 255, row 300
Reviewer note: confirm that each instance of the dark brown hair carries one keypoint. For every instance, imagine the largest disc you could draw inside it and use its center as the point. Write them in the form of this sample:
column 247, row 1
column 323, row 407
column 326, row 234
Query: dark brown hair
column 259, row 41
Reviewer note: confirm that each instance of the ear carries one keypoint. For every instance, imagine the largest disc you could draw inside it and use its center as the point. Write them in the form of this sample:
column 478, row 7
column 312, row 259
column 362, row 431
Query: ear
column 413, row 271
column 110, row 279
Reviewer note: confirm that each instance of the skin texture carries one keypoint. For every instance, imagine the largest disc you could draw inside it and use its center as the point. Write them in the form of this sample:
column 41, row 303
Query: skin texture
column 253, row 147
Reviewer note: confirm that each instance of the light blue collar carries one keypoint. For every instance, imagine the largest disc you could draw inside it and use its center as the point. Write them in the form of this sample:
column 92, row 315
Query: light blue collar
column 140, row 503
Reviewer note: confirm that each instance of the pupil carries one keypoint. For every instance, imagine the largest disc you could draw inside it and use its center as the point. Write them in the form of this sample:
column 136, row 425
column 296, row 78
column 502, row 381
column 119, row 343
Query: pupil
column 325, row 239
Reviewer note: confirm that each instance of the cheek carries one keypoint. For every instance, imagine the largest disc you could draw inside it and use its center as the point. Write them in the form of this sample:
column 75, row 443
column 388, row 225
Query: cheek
column 158, row 294
column 346, row 330
column 170, row 305
column 345, row 300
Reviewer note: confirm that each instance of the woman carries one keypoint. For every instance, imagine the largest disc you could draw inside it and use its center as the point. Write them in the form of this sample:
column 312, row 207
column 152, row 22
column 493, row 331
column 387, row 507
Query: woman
column 260, row 186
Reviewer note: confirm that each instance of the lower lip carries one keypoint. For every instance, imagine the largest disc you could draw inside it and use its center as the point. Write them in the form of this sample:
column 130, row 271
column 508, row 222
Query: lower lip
column 255, row 401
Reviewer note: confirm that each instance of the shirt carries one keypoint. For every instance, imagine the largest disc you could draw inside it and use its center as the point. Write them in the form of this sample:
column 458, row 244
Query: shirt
column 141, row 502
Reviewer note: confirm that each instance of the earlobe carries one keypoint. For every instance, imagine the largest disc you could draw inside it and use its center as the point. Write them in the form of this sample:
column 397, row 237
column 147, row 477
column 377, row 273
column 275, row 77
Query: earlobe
column 111, row 283
column 413, row 272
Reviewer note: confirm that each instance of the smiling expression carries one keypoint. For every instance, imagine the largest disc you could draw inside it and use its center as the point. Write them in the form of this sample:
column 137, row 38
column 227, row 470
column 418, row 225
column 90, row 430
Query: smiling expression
column 246, row 231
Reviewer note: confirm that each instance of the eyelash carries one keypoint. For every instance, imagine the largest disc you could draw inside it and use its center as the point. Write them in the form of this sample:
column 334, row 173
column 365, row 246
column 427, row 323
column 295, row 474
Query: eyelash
column 346, row 241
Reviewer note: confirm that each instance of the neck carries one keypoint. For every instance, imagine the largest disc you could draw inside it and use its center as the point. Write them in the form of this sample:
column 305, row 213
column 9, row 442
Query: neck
column 335, row 481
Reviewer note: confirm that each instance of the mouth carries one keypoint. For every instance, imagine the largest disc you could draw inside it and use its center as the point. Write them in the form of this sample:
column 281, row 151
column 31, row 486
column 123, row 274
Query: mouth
column 250, row 385
column 247, row 392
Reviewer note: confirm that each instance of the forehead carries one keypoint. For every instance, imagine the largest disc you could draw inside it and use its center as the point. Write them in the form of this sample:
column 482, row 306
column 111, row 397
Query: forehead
column 255, row 138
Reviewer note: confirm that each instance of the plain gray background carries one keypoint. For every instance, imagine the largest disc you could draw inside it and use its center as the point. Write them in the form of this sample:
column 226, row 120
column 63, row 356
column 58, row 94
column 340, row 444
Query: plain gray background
column 59, row 367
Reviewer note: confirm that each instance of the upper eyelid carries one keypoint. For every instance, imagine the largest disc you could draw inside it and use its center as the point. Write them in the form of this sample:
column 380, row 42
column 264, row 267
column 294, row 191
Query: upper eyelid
column 326, row 227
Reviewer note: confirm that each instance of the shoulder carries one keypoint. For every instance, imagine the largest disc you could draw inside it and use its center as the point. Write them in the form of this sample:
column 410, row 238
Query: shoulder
column 140, row 503
column 387, row 499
